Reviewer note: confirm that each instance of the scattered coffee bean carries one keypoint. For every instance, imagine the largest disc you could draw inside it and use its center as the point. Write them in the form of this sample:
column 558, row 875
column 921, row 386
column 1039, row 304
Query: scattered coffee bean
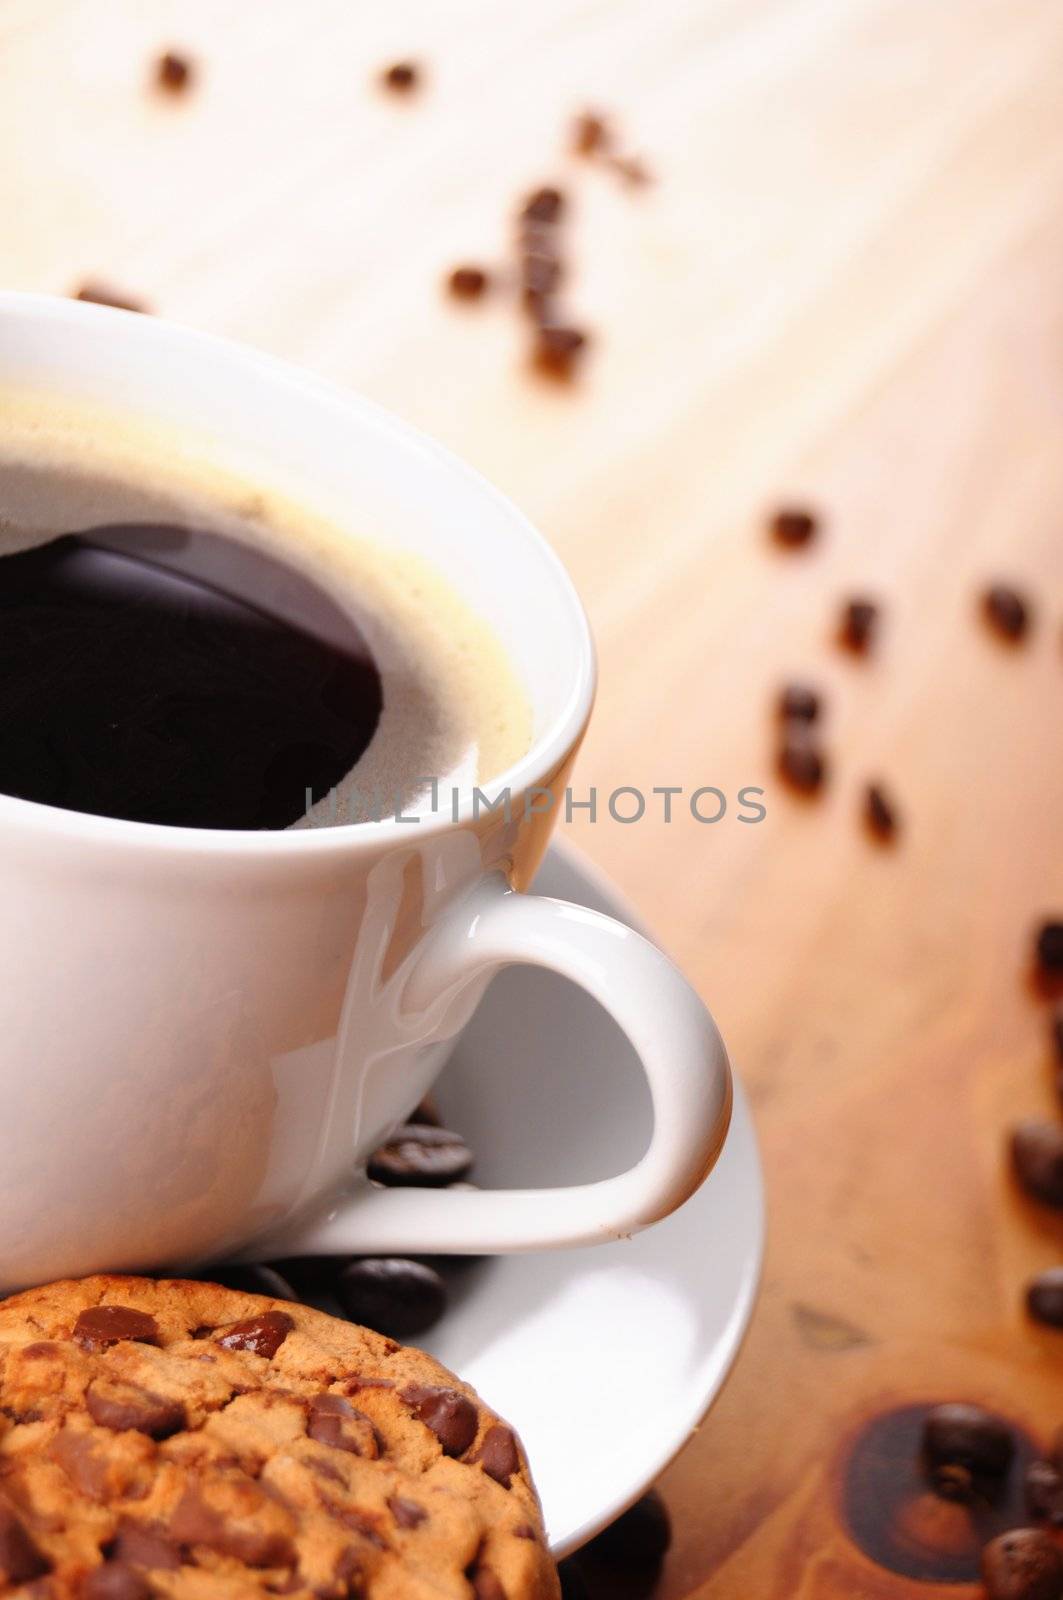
column 801, row 764
column 99, row 1326
column 792, row 527
column 1023, row 1565
column 857, row 627
column 392, row 1296
column 173, row 72
column 558, row 349
column 967, row 1438
column 420, row 1155
column 880, row 813
column 1006, row 612
column 798, row 703
column 467, row 283
column 638, row 1538
column 1037, row 1159
column 1044, row 1493
column 100, row 294
column 1048, row 948
column 255, row 1280
column 1044, row 1297
column 543, row 205
column 402, row 77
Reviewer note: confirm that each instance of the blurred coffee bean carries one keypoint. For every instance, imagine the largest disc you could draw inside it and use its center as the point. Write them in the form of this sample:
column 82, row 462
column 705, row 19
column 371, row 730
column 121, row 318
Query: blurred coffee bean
column 391, row 1295
column 1044, row 1297
column 417, row 1154
column 1037, row 1159
column 1023, row 1565
column 312, row 1277
column 254, row 1280
column 1006, row 612
column 967, row 1438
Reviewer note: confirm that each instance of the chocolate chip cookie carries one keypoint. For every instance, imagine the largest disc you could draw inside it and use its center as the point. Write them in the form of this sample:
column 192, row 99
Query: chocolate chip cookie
column 181, row 1439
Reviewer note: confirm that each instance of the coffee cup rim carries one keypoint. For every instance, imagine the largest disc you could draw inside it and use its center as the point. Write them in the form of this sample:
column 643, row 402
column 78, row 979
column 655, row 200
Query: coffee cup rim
column 545, row 757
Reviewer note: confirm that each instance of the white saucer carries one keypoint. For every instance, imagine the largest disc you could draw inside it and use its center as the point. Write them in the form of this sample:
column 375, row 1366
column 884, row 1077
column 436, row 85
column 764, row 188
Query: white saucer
column 544, row 1087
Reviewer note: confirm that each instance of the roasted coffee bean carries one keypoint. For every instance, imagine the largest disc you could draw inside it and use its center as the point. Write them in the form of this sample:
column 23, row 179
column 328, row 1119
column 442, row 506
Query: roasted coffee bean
column 99, row 1326
column 1048, row 948
column 543, row 205
column 638, row 1538
column 1023, row 1565
column 113, row 1581
column 792, row 527
column 558, row 349
column 101, row 294
column 20, row 1560
column 417, row 1154
column 311, row 1277
column 1044, row 1297
column 1006, row 612
column 1044, row 1493
column 801, row 764
column 798, row 703
column 967, row 1437
column 255, row 1280
column 402, row 77
column 1037, row 1159
column 407, row 1513
column 498, row 1454
column 173, row 72
column 879, row 812
column 451, row 1416
column 857, row 627
column 590, row 134
column 391, row 1295
column 335, row 1422
column 126, row 1407
column 467, row 283
column 262, row 1335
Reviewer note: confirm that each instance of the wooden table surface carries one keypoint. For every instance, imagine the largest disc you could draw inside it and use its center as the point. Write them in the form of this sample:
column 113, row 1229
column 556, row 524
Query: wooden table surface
column 846, row 286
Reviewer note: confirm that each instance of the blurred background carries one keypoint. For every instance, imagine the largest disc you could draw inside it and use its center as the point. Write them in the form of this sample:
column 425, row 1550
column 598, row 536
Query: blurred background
column 835, row 281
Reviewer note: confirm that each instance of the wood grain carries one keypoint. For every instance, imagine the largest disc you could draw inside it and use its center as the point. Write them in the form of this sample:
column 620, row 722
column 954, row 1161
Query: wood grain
column 848, row 286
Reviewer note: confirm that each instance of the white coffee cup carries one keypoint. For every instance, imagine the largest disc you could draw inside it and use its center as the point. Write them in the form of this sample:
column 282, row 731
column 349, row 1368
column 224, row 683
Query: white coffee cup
column 203, row 1034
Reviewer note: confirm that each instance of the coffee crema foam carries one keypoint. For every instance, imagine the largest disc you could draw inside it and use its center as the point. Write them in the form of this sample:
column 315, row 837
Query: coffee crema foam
column 454, row 709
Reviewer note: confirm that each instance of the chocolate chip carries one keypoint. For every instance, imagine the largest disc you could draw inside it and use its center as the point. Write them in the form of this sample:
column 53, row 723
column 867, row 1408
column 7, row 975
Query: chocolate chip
column 467, row 283
column 173, row 71
column 798, row 703
column 257, row 1545
column 486, row 1586
column 401, row 76
column 1006, row 612
column 540, row 273
column 543, row 205
column 20, row 1560
column 591, row 134
column 407, row 1513
column 1048, row 948
column 100, row 294
column 857, row 627
column 558, row 349
column 880, row 813
column 1023, row 1565
column 1044, row 1493
column 792, row 527
column 113, row 1581
column 258, row 1279
column 450, row 1415
column 965, row 1437
column 640, row 1537
column 1037, row 1159
column 498, row 1454
column 123, row 1406
column 100, row 1326
column 391, row 1295
column 137, row 1545
column 801, row 764
column 420, row 1155
column 1044, row 1297
column 262, row 1335
column 335, row 1422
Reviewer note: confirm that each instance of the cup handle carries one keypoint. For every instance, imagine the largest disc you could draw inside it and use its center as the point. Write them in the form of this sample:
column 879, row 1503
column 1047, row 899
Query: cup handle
column 678, row 1043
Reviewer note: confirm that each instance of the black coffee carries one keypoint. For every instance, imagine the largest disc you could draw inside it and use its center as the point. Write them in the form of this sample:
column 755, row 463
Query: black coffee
column 135, row 683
